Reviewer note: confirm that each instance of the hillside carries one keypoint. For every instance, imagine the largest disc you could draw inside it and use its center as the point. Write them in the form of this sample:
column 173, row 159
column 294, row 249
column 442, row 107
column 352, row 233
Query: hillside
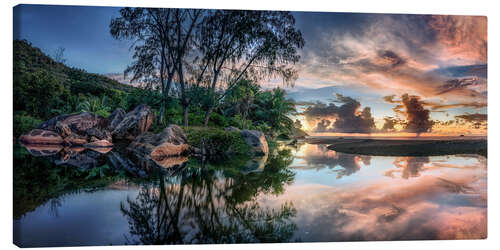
column 44, row 88
column 28, row 59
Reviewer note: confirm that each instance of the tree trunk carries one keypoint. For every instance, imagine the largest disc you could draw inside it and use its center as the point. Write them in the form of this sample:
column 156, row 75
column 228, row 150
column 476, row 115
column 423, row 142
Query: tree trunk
column 207, row 116
column 162, row 109
column 185, row 111
column 162, row 81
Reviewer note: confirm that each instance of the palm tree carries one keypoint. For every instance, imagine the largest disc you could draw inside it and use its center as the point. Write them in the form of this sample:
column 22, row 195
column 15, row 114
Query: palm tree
column 95, row 105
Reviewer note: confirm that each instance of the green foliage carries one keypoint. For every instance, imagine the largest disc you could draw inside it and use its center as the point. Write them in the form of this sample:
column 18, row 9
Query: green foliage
column 251, row 108
column 37, row 180
column 23, row 123
column 241, row 122
column 218, row 120
column 45, row 88
column 141, row 96
column 38, row 92
column 95, row 105
column 273, row 108
column 217, row 142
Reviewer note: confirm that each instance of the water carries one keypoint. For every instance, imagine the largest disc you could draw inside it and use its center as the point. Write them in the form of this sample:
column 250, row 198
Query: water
column 297, row 194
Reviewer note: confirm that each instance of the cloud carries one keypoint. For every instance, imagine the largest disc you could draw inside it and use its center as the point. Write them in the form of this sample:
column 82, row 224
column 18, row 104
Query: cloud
column 319, row 156
column 417, row 117
column 430, row 56
column 477, row 120
column 410, row 166
column 346, row 118
column 448, row 203
column 462, row 36
column 476, row 117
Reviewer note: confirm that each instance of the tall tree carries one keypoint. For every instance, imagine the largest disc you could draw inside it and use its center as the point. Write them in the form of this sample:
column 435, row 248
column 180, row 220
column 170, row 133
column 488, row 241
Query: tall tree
column 186, row 23
column 252, row 44
column 150, row 29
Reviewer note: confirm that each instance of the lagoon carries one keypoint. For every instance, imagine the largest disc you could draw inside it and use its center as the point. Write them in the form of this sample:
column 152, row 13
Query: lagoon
column 302, row 193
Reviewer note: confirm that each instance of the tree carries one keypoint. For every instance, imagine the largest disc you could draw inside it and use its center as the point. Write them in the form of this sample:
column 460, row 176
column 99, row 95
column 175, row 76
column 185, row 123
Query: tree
column 59, row 55
column 38, row 93
column 253, row 44
column 273, row 108
column 240, row 98
column 150, row 29
column 185, row 23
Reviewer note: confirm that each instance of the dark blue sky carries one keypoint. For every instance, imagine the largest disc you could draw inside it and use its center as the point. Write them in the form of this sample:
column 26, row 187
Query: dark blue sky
column 82, row 31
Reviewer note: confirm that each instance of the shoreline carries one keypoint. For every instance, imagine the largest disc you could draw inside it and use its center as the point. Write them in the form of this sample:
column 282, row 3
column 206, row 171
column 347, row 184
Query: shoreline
column 404, row 147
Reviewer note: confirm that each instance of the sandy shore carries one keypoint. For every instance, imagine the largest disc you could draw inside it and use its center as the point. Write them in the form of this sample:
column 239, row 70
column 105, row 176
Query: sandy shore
column 404, row 147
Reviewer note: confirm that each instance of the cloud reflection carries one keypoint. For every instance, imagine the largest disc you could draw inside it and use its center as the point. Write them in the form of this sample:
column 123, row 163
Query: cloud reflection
column 434, row 198
column 319, row 157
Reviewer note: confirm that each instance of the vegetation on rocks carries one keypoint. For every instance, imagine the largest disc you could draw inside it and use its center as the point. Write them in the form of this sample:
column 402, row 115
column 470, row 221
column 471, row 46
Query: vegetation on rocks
column 217, row 141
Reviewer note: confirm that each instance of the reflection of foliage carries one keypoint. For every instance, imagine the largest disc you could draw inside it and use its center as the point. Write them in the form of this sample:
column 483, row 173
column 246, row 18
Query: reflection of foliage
column 213, row 205
column 37, row 180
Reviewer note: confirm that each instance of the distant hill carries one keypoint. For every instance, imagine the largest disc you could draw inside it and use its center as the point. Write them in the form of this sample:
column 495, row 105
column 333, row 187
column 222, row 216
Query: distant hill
column 29, row 59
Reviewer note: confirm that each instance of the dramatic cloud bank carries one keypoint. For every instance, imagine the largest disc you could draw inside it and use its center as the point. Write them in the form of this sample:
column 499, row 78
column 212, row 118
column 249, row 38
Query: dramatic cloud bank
column 346, row 118
column 440, row 62
column 403, row 53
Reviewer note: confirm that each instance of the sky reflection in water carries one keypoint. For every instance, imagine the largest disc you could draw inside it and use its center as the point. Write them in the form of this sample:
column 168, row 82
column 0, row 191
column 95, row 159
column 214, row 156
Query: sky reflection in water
column 321, row 196
column 351, row 197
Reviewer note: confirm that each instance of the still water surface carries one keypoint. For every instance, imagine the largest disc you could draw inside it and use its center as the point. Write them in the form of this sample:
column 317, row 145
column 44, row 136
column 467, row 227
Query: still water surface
column 305, row 193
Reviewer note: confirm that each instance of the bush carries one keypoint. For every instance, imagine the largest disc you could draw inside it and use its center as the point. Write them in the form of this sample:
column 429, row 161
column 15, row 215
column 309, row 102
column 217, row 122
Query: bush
column 241, row 123
column 218, row 142
column 23, row 123
column 218, row 120
column 38, row 92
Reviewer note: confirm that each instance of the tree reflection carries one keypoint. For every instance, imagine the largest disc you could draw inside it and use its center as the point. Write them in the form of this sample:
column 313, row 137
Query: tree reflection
column 213, row 205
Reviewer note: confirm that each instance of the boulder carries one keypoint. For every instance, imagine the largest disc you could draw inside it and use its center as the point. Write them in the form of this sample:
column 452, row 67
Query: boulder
column 256, row 140
column 232, row 129
column 134, row 123
column 74, row 139
column 100, row 134
column 115, row 118
column 77, row 123
column 62, row 129
column 99, row 144
column 40, row 136
column 170, row 142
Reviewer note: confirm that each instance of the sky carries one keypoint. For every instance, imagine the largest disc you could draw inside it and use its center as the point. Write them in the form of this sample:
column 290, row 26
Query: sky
column 371, row 73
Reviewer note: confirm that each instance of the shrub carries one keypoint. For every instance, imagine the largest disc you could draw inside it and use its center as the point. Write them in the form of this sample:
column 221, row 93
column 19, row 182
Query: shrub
column 218, row 142
column 241, row 123
column 218, row 120
column 38, row 92
column 23, row 123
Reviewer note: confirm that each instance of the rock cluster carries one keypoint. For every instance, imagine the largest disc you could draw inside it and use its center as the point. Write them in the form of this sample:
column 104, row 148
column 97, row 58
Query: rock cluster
column 91, row 130
column 73, row 133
